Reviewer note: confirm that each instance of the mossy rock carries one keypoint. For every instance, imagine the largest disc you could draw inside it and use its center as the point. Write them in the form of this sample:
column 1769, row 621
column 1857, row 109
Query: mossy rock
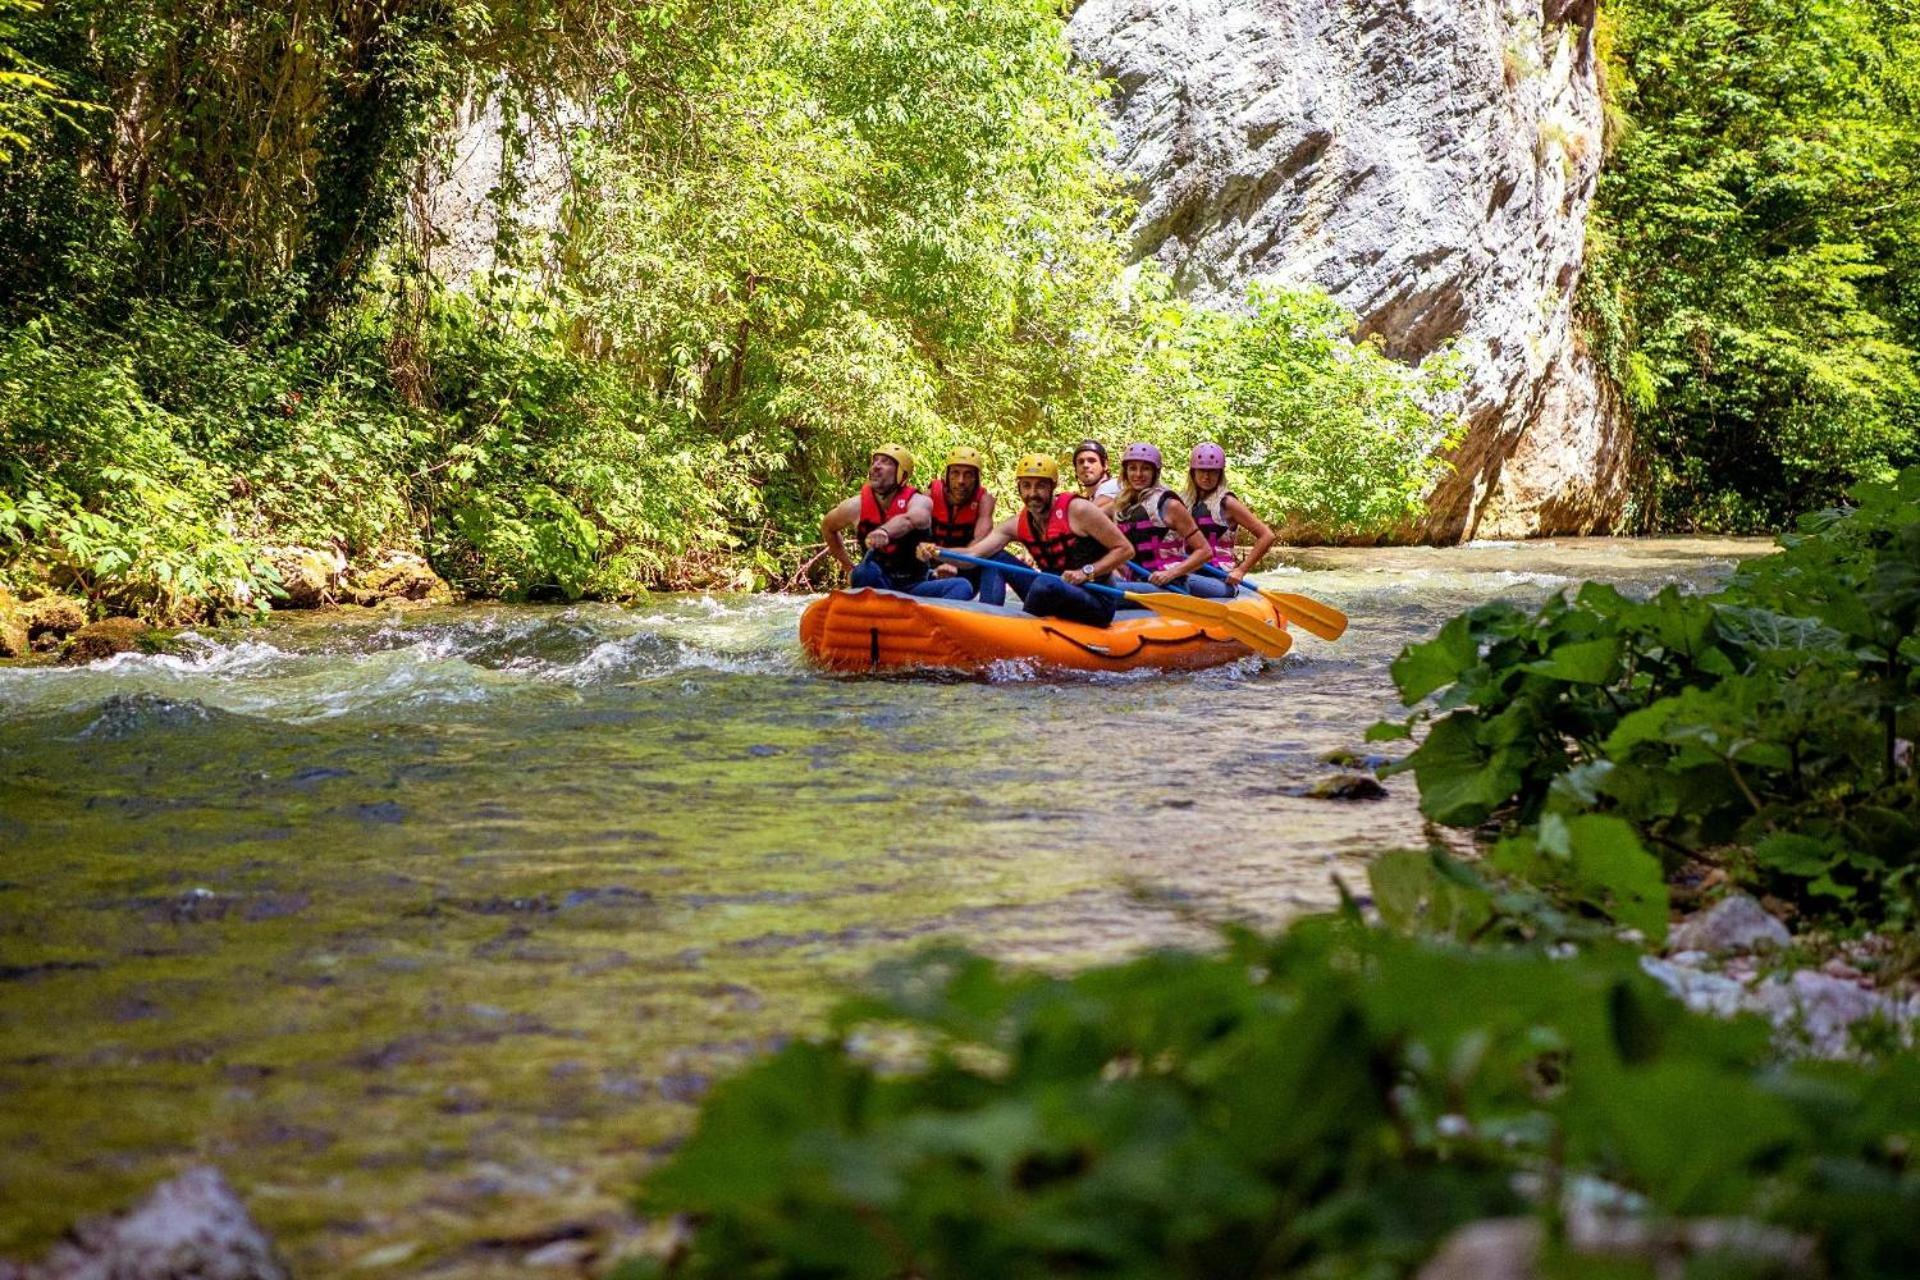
column 399, row 578
column 107, row 637
column 51, row 619
column 13, row 627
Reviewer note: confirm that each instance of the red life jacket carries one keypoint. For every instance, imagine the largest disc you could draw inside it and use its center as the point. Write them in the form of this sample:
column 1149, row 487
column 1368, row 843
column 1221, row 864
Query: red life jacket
column 1155, row 544
column 897, row 557
column 1058, row 548
column 953, row 526
column 1210, row 513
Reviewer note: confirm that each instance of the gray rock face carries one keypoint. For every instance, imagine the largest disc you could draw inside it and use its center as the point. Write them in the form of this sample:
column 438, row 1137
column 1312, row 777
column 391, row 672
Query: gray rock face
column 1430, row 163
column 192, row 1228
column 1735, row 923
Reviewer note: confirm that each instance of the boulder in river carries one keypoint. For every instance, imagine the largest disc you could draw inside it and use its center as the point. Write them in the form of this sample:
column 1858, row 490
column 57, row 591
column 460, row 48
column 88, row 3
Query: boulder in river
column 13, row 627
column 400, row 576
column 1736, row 923
column 309, row 576
column 105, row 638
column 191, row 1228
column 50, row 619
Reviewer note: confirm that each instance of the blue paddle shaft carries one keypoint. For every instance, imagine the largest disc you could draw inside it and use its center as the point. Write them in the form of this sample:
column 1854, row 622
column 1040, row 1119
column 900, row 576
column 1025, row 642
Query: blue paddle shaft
column 1024, row 574
column 1145, row 572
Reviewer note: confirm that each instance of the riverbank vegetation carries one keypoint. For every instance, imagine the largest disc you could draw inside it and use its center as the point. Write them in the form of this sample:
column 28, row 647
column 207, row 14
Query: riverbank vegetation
column 787, row 228
column 1488, row 1045
column 1753, row 281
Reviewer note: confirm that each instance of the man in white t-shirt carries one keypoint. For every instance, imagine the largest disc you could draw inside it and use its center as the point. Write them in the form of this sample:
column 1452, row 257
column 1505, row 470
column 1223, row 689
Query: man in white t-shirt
column 1090, row 465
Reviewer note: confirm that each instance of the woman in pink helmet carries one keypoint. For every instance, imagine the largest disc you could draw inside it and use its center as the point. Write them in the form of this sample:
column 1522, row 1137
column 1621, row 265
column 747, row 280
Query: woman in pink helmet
column 1220, row 514
column 1166, row 542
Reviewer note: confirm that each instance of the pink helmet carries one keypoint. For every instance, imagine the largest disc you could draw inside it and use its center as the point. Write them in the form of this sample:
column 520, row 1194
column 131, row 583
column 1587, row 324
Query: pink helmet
column 1142, row 453
column 1207, row 457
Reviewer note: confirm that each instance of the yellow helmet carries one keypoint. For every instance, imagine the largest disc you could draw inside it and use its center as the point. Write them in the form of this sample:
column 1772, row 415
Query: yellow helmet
column 901, row 456
column 963, row 456
column 1038, row 466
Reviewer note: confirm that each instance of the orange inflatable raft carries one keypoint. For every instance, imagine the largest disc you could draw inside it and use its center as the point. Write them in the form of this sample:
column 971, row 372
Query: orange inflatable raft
column 868, row 630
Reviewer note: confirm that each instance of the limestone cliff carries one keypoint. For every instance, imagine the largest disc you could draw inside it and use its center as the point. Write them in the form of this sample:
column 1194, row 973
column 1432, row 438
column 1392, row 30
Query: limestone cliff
column 1430, row 163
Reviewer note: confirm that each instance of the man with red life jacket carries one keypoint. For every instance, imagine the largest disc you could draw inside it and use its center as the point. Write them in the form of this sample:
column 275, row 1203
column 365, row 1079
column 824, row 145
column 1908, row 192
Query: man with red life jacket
column 891, row 518
column 962, row 515
column 1072, row 543
column 1157, row 524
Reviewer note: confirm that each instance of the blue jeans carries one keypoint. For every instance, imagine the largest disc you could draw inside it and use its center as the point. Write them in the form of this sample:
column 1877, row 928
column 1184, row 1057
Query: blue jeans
column 1049, row 597
column 1209, row 588
column 989, row 586
column 936, row 588
column 1193, row 584
column 869, row 573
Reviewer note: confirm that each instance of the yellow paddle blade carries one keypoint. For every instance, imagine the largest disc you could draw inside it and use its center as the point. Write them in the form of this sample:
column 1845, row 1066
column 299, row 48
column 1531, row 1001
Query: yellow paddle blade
column 1257, row 636
column 1323, row 620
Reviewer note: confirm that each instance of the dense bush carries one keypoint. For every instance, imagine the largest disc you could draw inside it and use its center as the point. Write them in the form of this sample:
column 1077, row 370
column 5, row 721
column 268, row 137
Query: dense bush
column 1769, row 724
column 1330, row 1102
column 1752, row 266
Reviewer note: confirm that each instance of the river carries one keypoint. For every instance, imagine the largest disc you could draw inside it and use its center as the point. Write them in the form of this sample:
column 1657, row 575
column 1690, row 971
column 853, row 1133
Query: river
column 430, row 928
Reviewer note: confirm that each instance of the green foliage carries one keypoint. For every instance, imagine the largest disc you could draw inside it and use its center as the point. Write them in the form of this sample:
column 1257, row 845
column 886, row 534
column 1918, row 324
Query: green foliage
column 1751, row 279
column 1320, row 430
column 1767, row 715
column 793, row 228
column 1330, row 1102
column 98, row 494
column 31, row 101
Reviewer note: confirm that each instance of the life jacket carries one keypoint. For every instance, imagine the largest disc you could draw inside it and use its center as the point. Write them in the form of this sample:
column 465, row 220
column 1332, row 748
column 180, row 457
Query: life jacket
column 1057, row 548
column 897, row 557
column 1155, row 544
column 953, row 526
column 1210, row 513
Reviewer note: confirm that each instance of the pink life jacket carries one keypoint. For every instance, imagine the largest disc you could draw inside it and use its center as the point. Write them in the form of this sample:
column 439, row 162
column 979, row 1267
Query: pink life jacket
column 1210, row 513
column 1155, row 544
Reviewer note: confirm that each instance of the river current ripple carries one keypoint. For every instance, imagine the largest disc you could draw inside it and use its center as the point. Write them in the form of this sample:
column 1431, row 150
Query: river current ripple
column 449, row 917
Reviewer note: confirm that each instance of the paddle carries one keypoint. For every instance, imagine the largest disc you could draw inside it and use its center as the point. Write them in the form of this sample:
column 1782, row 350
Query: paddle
column 1249, row 631
column 1323, row 620
column 1270, row 641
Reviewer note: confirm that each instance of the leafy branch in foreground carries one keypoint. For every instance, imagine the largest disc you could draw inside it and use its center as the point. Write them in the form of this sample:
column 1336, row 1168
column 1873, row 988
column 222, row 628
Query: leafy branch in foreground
column 1767, row 725
column 1329, row 1102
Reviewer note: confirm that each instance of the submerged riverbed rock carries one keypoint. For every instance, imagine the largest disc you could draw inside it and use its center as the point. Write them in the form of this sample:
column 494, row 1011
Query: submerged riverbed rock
column 399, row 577
column 1431, row 166
column 1733, row 924
column 1347, row 786
column 191, row 1228
column 105, row 638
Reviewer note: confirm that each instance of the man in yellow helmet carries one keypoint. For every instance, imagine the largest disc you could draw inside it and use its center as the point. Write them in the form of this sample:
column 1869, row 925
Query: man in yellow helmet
column 962, row 515
column 1072, row 542
column 890, row 517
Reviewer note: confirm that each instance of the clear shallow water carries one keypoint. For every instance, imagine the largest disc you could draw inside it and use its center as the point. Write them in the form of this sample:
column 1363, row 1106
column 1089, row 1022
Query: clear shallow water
column 430, row 928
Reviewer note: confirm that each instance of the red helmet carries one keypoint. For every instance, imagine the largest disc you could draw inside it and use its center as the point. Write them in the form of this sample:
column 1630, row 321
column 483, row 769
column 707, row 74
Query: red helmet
column 1142, row 453
column 1207, row 457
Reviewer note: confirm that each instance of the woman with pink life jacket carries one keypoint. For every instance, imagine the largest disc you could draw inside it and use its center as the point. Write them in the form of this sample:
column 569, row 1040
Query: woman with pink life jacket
column 1166, row 541
column 1220, row 515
